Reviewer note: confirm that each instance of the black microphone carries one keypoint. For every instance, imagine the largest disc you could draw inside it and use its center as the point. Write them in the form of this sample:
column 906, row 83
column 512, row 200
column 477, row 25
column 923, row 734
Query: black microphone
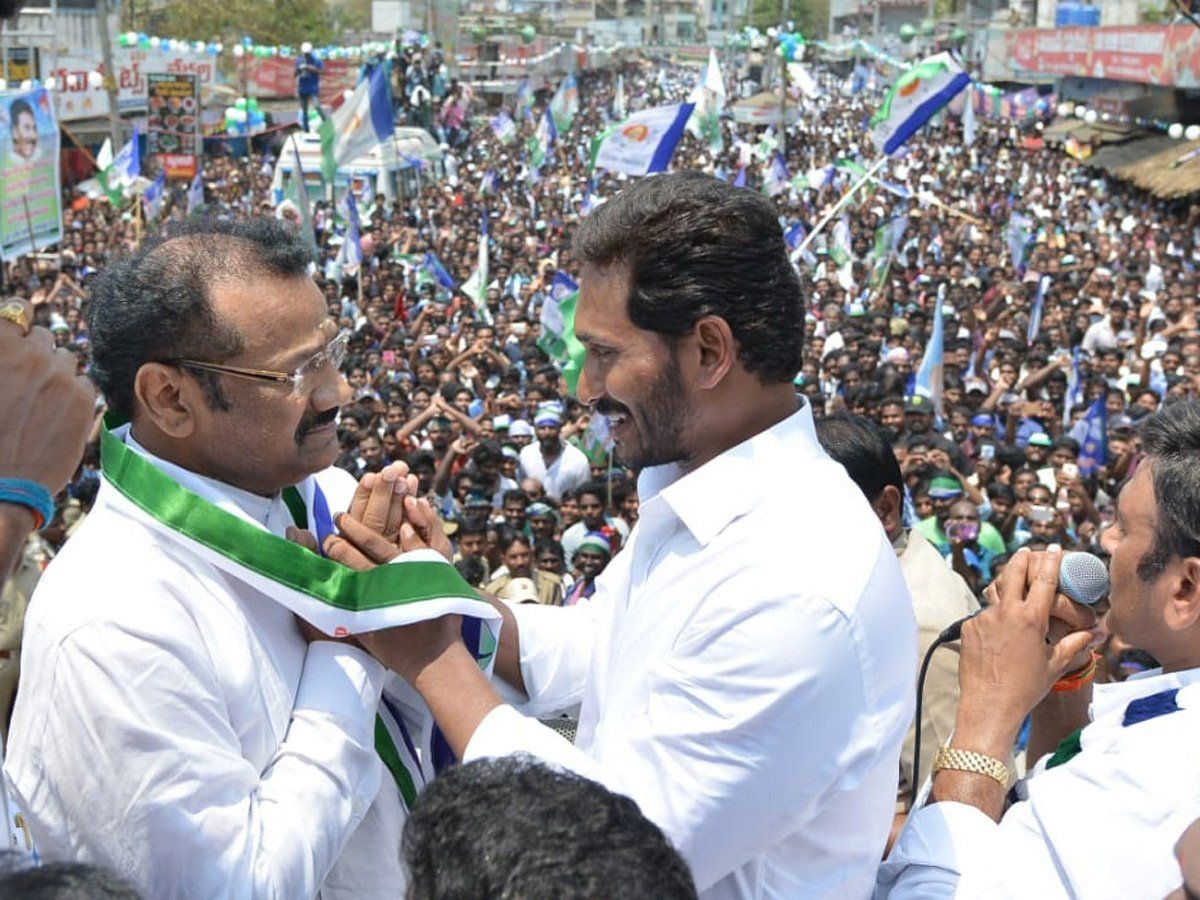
column 1082, row 578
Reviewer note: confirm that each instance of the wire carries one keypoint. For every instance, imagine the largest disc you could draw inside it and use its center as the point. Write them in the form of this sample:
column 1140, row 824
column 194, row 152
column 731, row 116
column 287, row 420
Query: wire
column 951, row 633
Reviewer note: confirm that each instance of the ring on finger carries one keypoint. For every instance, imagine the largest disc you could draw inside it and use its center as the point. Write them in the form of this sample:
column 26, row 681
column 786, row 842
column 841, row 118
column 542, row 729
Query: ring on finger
column 14, row 311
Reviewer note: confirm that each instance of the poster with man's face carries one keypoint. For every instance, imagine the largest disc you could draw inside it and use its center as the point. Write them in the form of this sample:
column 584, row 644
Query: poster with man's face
column 30, row 212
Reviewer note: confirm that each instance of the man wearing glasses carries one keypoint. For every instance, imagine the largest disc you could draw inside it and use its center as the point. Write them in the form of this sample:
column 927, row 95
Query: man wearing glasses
column 175, row 723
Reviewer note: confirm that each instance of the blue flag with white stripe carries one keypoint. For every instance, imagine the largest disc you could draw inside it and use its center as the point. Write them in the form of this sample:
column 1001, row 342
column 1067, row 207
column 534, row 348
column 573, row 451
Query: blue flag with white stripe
column 434, row 267
column 1091, row 432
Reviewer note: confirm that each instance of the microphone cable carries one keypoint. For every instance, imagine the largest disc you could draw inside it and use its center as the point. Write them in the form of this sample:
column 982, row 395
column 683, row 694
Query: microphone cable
column 951, row 632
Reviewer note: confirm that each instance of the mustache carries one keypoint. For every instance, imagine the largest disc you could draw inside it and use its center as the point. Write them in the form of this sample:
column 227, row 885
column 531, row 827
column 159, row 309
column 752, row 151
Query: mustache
column 606, row 407
column 312, row 421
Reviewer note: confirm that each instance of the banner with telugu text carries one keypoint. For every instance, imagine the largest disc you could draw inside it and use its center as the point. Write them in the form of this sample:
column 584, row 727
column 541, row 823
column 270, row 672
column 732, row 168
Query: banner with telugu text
column 30, row 212
column 77, row 99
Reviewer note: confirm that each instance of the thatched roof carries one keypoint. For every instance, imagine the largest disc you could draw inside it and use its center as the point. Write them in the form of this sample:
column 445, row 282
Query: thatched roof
column 1153, row 169
column 1143, row 158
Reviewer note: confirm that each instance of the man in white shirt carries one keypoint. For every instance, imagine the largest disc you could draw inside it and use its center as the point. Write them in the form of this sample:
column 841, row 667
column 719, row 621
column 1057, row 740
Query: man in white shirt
column 592, row 499
column 559, row 466
column 1104, row 335
column 174, row 723
column 1101, row 814
column 940, row 596
column 745, row 667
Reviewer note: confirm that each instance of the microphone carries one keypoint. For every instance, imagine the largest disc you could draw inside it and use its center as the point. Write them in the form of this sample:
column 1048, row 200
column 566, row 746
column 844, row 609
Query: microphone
column 1082, row 578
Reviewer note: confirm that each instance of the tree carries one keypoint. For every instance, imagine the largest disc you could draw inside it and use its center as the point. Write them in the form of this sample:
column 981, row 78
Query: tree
column 811, row 16
column 271, row 22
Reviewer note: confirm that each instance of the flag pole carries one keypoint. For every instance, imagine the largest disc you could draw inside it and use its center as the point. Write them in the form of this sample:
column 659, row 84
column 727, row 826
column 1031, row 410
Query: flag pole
column 934, row 201
column 29, row 223
column 837, row 207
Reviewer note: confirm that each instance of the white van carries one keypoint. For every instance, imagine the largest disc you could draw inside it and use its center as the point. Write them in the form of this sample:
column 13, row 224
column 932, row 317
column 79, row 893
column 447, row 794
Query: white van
column 390, row 169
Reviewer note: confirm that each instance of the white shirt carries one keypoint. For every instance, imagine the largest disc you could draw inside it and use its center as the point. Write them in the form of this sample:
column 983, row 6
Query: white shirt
column 569, row 471
column 745, row 670
column 172, row 723
column 1102, row 825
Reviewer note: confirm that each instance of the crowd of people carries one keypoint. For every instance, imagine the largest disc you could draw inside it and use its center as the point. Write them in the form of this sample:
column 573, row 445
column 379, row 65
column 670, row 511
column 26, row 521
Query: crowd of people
column 534, row 501
column 457, row 394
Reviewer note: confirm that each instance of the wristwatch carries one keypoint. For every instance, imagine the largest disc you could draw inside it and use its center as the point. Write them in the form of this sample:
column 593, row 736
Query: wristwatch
column 970, row 761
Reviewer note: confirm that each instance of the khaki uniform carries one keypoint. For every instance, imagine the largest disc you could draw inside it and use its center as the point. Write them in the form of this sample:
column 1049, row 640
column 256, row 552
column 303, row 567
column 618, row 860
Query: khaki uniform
column 549, row 587
column 939, row 597
column 14, row 598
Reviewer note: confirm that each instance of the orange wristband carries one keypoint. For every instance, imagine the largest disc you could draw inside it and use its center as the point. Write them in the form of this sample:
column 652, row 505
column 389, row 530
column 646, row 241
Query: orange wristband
column 1073, row 681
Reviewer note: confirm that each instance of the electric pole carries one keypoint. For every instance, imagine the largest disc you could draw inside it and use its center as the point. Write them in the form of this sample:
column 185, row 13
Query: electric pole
column 110, row 73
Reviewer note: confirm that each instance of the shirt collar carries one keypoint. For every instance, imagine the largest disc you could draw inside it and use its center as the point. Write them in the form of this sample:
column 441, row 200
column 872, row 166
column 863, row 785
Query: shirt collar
column 726, row 487
column 262, row 510
column 1113, row 698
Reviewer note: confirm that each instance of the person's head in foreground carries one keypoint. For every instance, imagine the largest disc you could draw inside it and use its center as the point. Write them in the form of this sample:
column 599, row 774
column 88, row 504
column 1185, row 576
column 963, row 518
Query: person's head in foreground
column 513, row 828
column 1155, row 543
column 215, row 342
column 691, row 315
column 60, row 881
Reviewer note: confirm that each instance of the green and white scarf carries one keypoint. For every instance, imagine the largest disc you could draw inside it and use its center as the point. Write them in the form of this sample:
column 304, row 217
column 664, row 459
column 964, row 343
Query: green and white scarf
column 339, row 601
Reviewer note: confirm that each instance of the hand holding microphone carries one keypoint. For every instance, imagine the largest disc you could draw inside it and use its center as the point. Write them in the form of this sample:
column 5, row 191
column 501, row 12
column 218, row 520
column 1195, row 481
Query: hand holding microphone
column 1079, row 582
column 1082, row 579
column 1037, row 627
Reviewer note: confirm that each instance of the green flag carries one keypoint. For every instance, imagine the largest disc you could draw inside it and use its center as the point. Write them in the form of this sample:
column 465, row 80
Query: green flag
column 558, row 328
column 328, row 139
column 299, row 195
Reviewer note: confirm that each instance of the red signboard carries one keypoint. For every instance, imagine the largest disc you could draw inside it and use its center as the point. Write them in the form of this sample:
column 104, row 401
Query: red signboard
column 275, row 76
column 1149, row 54
column 178, row 165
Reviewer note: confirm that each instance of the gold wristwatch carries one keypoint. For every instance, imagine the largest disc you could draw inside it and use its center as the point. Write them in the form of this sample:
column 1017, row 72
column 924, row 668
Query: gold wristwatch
column 970, row 761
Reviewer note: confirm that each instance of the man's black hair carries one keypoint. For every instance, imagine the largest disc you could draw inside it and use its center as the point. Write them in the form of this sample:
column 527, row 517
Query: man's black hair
column 472, row 525
column 156, row 305
column 487, row 451
column 513, row 827
column 1171, row 439
column 514, row 494
column 695, row 246
column 61, row 881
column 595, row 488
column 18, row 106
column 507, row 536
column 1066, row 442
column 863, row 449
column 472, row 570
column 548, row 545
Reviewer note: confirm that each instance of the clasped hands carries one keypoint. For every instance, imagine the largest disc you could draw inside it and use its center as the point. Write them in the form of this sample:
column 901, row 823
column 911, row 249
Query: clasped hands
column 387, row 518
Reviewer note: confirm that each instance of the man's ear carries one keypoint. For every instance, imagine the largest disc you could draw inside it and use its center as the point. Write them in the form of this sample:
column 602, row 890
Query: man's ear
column 167, row 399
column 1183, row 608
column 889, row 508
column 718, row 351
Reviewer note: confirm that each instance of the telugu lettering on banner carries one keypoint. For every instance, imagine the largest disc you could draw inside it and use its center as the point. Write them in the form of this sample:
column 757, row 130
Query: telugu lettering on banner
column 173, row 122
column 30, row 214
column 1150, row 54
column 77, row 100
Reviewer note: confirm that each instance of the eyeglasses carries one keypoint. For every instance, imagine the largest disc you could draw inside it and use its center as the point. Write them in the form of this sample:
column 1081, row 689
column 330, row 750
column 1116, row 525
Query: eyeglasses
column 301, row 381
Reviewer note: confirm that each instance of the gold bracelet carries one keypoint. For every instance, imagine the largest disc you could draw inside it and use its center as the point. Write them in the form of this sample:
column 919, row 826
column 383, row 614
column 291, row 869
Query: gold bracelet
column 970, row 761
